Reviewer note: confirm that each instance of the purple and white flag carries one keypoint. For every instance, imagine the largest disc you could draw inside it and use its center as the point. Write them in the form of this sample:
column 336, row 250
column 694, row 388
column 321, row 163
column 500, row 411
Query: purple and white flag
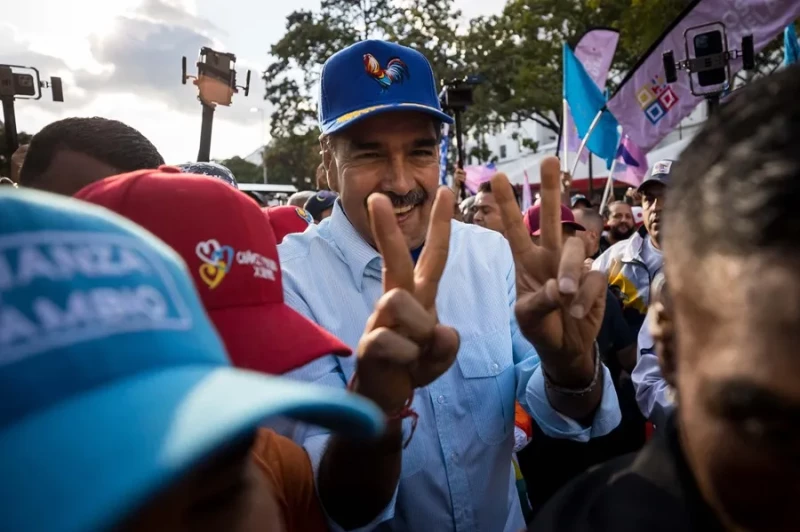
column 647, row 107
column 595, row 51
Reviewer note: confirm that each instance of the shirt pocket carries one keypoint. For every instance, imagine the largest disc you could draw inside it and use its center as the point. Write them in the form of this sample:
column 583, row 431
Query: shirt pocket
column 487, row 365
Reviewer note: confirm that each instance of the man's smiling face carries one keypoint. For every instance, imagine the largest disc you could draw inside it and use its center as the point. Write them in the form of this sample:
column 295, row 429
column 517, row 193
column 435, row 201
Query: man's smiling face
column 395, row 154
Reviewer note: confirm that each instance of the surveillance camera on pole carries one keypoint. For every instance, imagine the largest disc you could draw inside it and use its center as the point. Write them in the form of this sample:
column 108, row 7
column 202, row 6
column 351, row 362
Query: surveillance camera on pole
column 708, row 61
column 22, row 83
column 216, row 81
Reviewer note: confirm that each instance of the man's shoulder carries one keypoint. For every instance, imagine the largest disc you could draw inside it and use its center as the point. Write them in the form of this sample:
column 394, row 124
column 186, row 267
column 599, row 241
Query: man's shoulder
column 616, row 251
column 612, row 496
column 474, row 236
column 299, row 246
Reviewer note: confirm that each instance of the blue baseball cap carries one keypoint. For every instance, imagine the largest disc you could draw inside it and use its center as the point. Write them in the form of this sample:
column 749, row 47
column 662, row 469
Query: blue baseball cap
column 320, row 202
column 115, row 383
column 373, row 77
column 659, row 173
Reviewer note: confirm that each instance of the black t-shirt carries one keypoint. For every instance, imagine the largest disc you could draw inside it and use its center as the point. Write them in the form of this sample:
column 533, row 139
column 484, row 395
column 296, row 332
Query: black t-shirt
column 649, row 491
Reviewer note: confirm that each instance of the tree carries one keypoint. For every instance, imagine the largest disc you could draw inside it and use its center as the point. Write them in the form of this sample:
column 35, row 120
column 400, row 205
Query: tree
column 244, row 171
column 293, row 158
column 519, row 51
column 429, row 26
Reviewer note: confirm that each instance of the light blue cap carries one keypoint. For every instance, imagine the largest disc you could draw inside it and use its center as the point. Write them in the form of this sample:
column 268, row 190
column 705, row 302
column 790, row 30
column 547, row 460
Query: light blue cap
column 113, row 381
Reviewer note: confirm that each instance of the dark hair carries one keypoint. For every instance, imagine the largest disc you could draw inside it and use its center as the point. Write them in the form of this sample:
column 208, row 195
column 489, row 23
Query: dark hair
column 736, row 188
column 109, row 141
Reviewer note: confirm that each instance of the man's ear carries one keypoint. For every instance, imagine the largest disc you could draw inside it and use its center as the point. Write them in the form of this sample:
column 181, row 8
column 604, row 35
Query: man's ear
column 662, row 327
column 329, row 163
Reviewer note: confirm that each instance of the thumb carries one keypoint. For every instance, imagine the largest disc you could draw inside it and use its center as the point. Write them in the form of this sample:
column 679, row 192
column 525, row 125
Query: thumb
column 537, row 305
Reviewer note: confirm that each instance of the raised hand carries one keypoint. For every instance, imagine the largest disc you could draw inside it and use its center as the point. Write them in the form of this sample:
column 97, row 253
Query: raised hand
column 559, row 304
column 404, row 346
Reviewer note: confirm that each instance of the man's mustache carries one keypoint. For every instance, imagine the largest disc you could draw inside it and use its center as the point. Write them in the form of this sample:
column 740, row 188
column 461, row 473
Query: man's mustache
column 415, row 197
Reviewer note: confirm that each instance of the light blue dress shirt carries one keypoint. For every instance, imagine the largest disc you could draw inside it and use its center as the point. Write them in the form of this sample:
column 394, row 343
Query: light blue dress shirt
column 457, row 473
column 653, row 395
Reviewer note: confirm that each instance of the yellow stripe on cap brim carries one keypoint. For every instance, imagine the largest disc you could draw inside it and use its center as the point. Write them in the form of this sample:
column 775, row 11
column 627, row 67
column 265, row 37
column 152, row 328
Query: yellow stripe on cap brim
column 352, row 117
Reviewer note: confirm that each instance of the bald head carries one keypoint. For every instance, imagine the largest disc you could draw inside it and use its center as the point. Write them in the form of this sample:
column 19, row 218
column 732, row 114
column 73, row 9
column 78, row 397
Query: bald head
column 594, row 224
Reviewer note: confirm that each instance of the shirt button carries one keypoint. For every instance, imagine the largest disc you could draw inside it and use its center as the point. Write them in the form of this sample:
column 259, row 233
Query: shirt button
column 441, row 400
column 454, row 456
column 495, row 368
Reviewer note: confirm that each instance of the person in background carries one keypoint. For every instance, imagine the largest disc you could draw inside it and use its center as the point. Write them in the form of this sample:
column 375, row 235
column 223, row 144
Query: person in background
column 467, row 208
column 286, row 219
column 459, row 180
column 725, row 327
column 631, row 265
column 569, row 227
column 487, row 210
column 320, row 205
column 69, row 154
column 299, row 199
column 621, row 224
column 211, row 169
column 126, row 412
column 579, row 201
column 17, row 160
column 455, row 471
column 592, row 235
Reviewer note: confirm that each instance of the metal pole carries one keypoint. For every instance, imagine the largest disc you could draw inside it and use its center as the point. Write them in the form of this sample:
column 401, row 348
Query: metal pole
column 586, row 139
column 10, row 125
column 461, row 150
column 609, row 186
column 591, row 177
column 204, row 154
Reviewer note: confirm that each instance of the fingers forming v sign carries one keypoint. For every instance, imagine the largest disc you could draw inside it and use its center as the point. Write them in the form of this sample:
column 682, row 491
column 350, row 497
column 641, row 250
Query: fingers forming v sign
column 559, row 305
column 404, row 346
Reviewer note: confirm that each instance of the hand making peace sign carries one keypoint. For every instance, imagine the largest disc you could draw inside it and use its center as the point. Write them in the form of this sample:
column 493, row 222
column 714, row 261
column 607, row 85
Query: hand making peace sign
column 404, row 346
column 559, row 305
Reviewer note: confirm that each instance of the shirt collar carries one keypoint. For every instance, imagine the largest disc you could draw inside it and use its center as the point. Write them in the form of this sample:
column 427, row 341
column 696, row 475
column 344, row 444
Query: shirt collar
column 358, row 254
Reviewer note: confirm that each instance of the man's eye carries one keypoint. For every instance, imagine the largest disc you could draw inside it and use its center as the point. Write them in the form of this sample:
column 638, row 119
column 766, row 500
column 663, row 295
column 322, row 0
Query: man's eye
column 422, row 153
column 369, row 155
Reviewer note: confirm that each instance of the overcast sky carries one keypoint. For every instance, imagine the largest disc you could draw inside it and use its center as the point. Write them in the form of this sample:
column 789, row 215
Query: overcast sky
column 121, row 59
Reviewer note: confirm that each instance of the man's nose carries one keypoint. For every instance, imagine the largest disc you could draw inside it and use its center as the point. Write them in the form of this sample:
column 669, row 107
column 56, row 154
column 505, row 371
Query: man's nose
column 398, row 179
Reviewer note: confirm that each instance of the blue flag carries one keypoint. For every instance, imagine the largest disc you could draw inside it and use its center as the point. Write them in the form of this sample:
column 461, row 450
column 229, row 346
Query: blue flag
column 443, row 147
column 585, row 102
column 791, row 48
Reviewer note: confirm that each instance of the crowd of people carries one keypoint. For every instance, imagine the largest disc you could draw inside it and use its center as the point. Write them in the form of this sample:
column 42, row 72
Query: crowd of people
column 375, row 356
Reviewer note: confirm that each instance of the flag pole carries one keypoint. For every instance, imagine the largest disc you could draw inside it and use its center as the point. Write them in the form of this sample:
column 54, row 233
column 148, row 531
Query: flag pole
column 610, row 179
column 585, row 140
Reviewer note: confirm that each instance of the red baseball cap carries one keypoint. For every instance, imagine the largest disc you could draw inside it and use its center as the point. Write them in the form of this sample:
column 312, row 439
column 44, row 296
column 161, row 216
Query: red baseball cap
column 231, row 252
column 531, row 219
column 287, row 219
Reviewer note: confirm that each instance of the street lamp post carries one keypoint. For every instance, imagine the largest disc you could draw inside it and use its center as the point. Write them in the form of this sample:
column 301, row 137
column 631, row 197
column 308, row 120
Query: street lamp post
column 263, row 139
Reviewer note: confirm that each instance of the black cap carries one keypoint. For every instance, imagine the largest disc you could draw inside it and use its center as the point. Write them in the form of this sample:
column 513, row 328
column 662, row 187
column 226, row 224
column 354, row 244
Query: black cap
column 578, row 198
column 320, row 202
column 659, row 173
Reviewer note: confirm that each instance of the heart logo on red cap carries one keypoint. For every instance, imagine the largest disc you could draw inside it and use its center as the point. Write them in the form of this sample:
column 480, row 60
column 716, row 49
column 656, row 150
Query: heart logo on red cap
column 212, row 275
column 205, row 251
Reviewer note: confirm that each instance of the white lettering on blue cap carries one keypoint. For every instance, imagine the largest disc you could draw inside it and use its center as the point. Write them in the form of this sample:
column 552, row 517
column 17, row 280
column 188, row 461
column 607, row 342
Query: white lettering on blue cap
column 62, row 288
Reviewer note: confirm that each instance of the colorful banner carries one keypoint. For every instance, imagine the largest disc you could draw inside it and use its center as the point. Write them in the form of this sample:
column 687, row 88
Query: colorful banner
column 647, row 107
column 595, row 51
column 443, row 147
column 631, row 163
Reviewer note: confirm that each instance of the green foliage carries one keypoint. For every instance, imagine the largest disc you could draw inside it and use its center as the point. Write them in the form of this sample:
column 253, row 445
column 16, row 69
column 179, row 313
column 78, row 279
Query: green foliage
column 244, row 171
column 293, row 158
column 312, row 37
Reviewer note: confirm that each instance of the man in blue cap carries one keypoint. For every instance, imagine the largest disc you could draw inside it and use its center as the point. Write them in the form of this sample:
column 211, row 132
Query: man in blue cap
column 120, row 408
column 380, row 118
column 320, row 205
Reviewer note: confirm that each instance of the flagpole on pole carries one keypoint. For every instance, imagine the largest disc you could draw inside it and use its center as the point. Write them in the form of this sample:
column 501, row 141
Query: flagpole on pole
column 610, row 179
column 585, row 140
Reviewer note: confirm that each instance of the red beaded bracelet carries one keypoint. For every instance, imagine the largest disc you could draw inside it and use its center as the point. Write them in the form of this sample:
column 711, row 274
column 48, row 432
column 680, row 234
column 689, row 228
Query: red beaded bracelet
column 403, row 413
